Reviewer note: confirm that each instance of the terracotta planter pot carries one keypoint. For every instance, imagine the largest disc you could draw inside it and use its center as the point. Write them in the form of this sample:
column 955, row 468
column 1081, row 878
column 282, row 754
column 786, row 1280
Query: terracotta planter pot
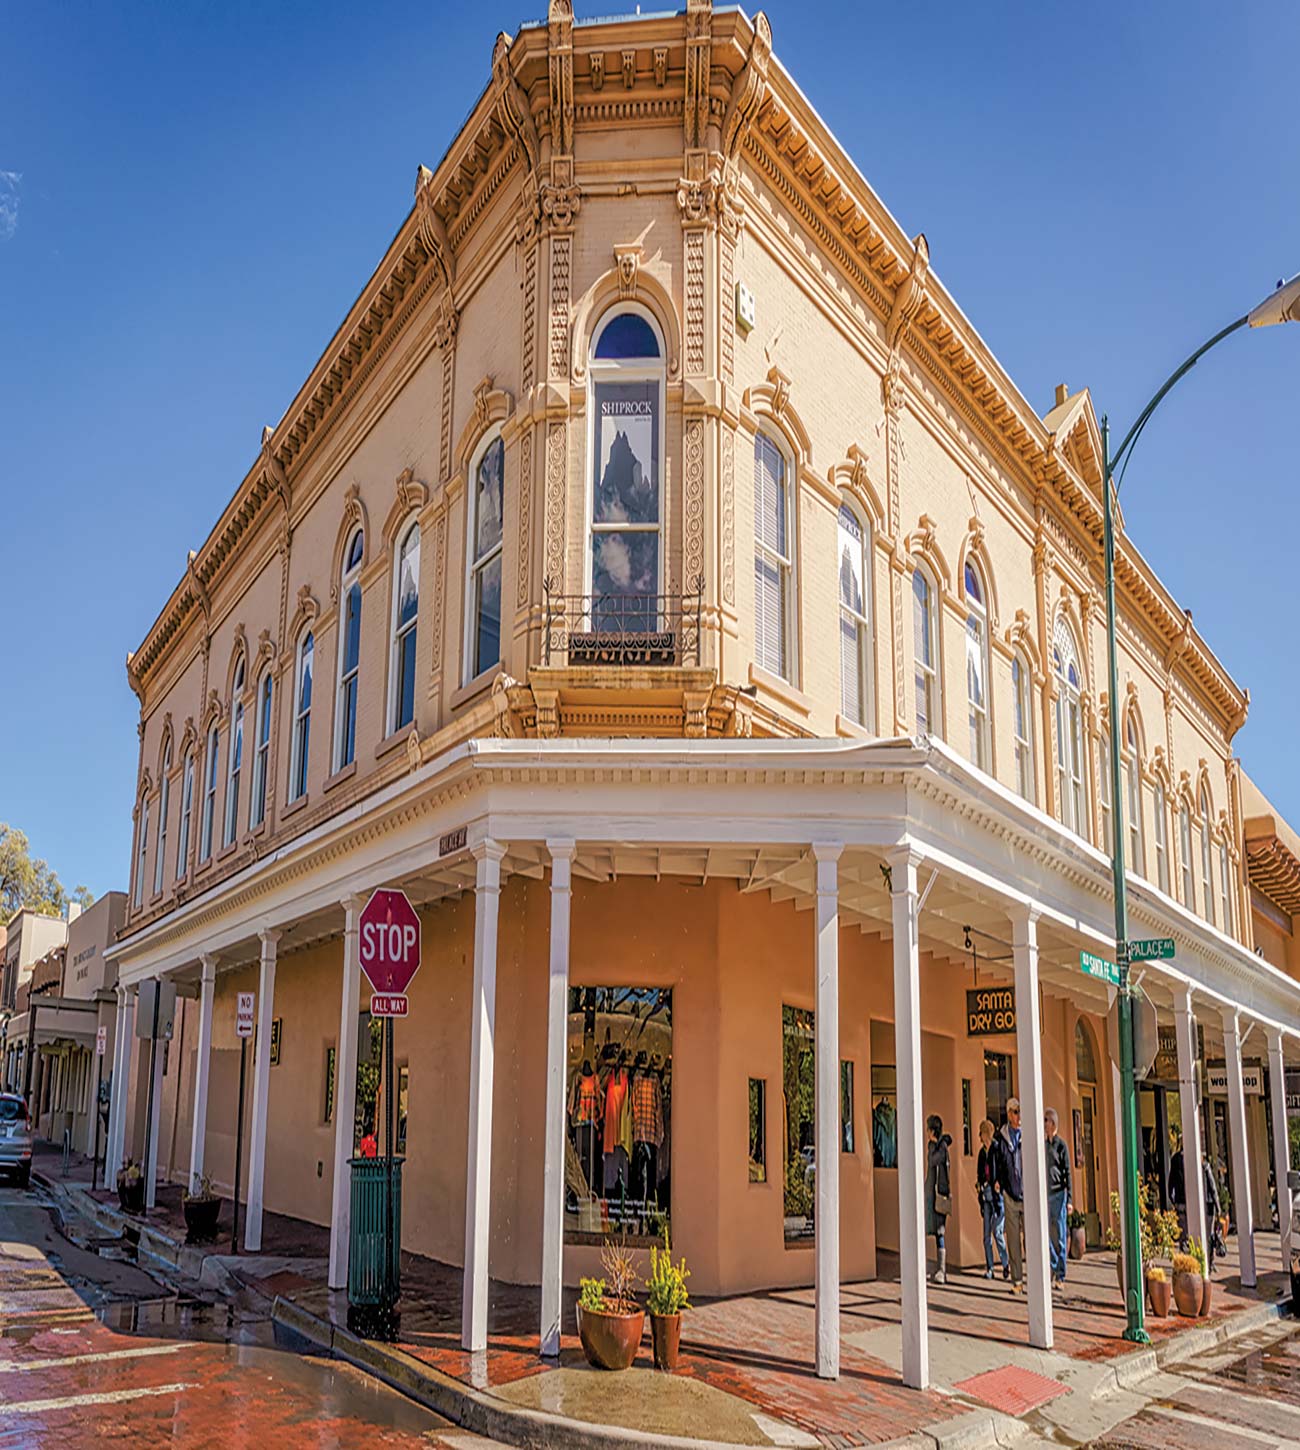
column 1158, row 1291
column 131, row 1196
column 610, row 1341
column 201, row 1215
column 666, row 1335
column 1188, row 1293
column 1078, row 1242
column 1207, row 1293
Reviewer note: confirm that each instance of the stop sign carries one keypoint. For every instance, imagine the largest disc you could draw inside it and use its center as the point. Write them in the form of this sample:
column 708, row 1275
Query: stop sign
column 390, row 941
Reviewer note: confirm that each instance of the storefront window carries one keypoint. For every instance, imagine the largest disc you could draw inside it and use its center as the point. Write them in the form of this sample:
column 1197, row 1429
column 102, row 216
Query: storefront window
column 757, row 1130
column 846, row 1107
column 799, row 1081
column 331, row 1058
column 617, row 1176
column 884, row 1115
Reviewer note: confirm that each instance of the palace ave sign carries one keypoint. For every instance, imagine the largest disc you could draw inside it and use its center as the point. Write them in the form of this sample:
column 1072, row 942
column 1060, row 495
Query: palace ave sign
column 389, row 932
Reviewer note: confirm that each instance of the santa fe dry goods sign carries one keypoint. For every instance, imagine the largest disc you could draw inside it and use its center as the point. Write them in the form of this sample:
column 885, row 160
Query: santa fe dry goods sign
column 990, row 1011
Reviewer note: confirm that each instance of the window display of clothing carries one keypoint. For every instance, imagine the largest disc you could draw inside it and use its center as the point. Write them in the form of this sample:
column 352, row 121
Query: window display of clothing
column 584, row 1100
column 647, row 1109
column 616, row 1090
column 884, row 1134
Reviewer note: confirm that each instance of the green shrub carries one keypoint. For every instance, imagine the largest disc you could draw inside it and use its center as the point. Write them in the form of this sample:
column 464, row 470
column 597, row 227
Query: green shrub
column 666, row 1286
column 591, row 1295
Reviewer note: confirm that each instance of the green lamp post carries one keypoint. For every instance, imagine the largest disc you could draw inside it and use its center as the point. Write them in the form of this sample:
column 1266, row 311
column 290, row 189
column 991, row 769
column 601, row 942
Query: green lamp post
column 1283, row 305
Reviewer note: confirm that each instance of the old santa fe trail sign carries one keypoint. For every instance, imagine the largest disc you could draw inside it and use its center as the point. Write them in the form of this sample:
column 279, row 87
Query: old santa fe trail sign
column 389, row 943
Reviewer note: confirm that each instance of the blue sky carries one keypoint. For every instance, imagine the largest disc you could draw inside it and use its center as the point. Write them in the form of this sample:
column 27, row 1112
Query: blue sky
column 192, row 195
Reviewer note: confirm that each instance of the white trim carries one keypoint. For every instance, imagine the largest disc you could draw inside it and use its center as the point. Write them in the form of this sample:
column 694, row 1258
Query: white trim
column 865, row 714
column 932, row 670
column 164, row 804
column 396, row 640
column 475, row 564
column 1022, row 706
column 208, row 811
column 348, row 579
column 300, row 719
column 977, row 613
column 234, row 758
column 264, row 703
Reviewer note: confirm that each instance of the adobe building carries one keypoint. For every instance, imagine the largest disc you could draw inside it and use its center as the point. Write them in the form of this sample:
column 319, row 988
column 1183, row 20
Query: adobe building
column 660, row 580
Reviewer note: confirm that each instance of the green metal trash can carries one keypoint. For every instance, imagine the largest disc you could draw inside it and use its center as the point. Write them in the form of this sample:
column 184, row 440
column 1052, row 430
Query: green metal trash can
column 374, row 1277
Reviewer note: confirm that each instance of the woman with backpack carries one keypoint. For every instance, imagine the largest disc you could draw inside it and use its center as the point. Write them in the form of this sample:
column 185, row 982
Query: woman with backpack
column 938, row 1199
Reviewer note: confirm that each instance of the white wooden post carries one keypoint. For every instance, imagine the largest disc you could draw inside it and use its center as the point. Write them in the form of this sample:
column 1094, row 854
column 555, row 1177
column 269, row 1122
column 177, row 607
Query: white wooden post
column 157, row 1052
column 1237, row 1133
column 202, row 1062
column 345, row 1095
column 1029, row 1055
column 557, row 1017
column 1189, row 1110
column 911, row 1171
column 826, row 1056
column 478, row 1175
column 261, row 1093
column 1281, row 1141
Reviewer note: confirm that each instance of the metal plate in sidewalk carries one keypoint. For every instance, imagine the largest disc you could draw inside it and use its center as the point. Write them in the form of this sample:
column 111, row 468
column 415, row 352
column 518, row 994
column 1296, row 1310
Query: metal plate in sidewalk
column 1011, row 1390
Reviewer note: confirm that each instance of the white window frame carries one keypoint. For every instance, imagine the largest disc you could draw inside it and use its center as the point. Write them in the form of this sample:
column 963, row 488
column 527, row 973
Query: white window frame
column 265, row 705
column 863, row 710
column 207, row 824
column 234, row 758
column 784, row 564
column 1225, row 877
column 1185, row 850
column 927, row 676
column 164, row 804
column 1071, row 786
column 142, row 851
column 345, row 715
column 397, row 639
column 1207, row 857
column 1161, row 811
column 300, row 752
column 475, row 564
column 626, row 370
column 187, row 810
column 1137, row 844
column 977, row 636
column 1022, row 725
column 1103, row 793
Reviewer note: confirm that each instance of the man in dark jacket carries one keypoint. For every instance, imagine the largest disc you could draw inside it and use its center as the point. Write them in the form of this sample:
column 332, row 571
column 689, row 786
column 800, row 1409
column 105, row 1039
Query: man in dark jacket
column 1059, row 1194
column 1010, row 1171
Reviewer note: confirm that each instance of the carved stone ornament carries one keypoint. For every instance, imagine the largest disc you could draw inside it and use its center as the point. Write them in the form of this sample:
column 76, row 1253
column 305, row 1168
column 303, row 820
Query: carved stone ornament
column 597, row 71
column 661, row 65
column 482, row 404
column 433, row 231
column 413, row 749
column 627, row 262
column 559, row 23
column 559, row 205
column 697, row 199
column 629, row 69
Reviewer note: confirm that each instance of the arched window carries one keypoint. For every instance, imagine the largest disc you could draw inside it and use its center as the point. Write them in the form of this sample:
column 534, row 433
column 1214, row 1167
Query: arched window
column 164, row 803
column 486, row 514
column 1185, row 852
column 142, row 851
column 209, row 796
column 624, row 554
column 406, row 609
column 925, row 650
column 234, row 758
column 301, row 746
column 1085, row 1059
column 187, row 812
column 349, row 652
column 855, row 619
column 1161, row 837
column 773, row 560
column 261, row 753
column 1207, row 857
column 1225, row 877
column 1069, row 731
column 1103, row 794
column 1136, row 835
column 977, row 666
column 1022, row 727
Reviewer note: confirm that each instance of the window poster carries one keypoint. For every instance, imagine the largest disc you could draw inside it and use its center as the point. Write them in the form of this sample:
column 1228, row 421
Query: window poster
column 625, row 490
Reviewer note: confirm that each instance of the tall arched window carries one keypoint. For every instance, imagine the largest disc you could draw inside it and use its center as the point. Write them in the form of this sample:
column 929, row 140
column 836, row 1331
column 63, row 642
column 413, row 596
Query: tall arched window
column 1185, row 852
column 1103, row 793
column 773, row 559
column 209, row 796
column 301, row 746
column 1069, row 732
column 261, row 753
column 1161, row 837
column 925, row 649
column 855, row 619
column 345, row 712
column 486, row 515
column 977, row 666
column 187, row 812
column 164, row 803
column 142, row 848
column 1136, row 835
column 406, row 609
column 1225, row 877
column 1022, row 726
column 627, row 420
column 1207, row 857
column 234, row 757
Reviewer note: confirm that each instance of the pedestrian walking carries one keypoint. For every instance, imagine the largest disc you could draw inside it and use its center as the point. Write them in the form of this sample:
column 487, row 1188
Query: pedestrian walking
column 1010, row 1171
column 990, row 1196
column 938, row 1191
column 1178, row 1191
column 1059, row 1194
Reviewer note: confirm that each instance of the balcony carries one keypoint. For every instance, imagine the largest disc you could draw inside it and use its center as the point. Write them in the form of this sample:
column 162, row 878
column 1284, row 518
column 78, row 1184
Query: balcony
column 622, row 629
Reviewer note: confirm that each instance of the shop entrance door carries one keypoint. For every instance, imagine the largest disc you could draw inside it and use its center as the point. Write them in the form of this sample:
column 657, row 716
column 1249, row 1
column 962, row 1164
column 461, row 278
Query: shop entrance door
column 997, row 1087
column 1088, row 1170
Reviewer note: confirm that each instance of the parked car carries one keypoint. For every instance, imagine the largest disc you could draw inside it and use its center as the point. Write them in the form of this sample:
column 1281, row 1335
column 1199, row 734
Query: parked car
column 15, row 1138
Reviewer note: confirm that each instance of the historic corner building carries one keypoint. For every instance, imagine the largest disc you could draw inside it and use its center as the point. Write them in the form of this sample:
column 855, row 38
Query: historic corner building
column 660, row 580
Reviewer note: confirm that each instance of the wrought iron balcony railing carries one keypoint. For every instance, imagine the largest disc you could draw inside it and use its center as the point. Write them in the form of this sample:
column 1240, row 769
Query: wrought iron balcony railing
column 622, row 629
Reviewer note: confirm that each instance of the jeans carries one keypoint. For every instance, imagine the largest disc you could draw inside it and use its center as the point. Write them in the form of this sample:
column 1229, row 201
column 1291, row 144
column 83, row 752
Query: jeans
column 994, row 1215
column 1056, row 1233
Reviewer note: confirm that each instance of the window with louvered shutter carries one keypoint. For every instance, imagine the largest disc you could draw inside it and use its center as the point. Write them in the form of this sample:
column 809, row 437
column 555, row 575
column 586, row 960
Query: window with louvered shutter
column 772, row 558
column 855, row 619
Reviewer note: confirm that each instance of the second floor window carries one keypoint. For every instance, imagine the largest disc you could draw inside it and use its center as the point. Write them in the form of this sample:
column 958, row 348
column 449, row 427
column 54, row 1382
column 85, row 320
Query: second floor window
column 1225, row 876
column 261, row 753
column 187, row 811
column 164, row 803
column 345, row 714
column 406, row 608
column 855, row 619
column 1207, row 857
column 1072, row 799
column 1185, row 853
column 486, row 513
column 209, row 796
column 234, row 758
column 1103, row 796
column 301, row 750
column 977, row 667
column 143, row 853
column 925, row 654
column 1136, row 835
column 1161, row 837
column 1022, row 727
column 773, row 559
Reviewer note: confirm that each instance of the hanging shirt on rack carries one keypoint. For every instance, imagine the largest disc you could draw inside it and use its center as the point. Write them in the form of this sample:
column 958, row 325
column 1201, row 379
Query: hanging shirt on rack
column 584, row 1100
column 615, row 1100
column 647, row 1109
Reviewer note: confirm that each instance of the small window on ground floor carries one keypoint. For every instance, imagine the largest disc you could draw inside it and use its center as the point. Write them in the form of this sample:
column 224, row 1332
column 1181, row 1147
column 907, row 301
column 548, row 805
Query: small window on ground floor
column 327, row 1109
column 757, row 1130
column 884, row 1115
column 617, row 1170
column 846, row 1108
column 799, row 1083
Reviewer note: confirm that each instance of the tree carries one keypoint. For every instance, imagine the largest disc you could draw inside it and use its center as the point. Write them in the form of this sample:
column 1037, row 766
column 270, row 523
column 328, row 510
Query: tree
column 31, row 883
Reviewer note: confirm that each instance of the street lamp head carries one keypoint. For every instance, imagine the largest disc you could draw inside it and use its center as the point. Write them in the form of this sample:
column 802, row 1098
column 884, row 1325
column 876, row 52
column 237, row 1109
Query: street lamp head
column 1283, row 305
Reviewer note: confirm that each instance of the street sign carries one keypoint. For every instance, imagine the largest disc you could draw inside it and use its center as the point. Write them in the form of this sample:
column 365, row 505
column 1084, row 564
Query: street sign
column 389, row 942
column 244, row 1003
column 1099, row 967
column 389, row 1004
column 1152, row 949
column 101, row 1042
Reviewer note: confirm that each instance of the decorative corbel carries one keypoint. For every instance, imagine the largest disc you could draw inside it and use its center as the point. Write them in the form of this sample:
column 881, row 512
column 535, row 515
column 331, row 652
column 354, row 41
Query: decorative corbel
column 200, row 593
column 699, row 62
column 597, row 71
column 661, row 65
column 559, row 25
column 513, row 110
column 274, row 471
column 627, row 262
column 748, row 91
column 433, row 231
column 629, row 69
column 133, row 676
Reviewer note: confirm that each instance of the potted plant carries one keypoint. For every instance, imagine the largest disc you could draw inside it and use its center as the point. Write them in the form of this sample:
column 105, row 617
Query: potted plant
column 1187, row 1285
column 1078, row 1225
column 130, row 1187
column 610, row 1322
column 1160, row 1236
column 1196, row 1249
column 202, row 1209
column 666, row 1298
column 1158, row 1291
